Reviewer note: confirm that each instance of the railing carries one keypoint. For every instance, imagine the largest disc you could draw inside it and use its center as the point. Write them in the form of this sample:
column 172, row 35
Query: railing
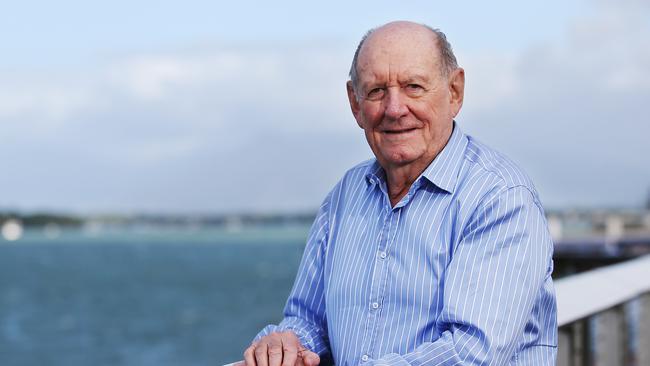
column 604, row 316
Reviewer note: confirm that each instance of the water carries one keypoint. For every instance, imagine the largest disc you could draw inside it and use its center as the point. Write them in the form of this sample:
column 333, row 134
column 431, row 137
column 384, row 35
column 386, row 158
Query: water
column 142, row 297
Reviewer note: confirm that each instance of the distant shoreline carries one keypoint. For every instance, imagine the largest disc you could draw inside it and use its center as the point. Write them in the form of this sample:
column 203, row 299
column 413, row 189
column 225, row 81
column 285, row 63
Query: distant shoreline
column 216, row 220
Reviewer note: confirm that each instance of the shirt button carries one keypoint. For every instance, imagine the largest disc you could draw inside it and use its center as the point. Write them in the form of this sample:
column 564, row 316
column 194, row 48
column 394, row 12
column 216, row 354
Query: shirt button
column 375, row 305
column 382, row 255
column 364, row 358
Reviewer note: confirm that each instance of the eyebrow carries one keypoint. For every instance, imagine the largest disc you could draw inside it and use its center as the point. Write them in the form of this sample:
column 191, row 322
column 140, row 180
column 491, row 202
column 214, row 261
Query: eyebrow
column 416, row 78
column 367, row 86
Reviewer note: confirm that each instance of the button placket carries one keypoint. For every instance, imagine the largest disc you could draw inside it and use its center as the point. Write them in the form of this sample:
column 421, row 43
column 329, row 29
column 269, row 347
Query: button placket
column 377, row 285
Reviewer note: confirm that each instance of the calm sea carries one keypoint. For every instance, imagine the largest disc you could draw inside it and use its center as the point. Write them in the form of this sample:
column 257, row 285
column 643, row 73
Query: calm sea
column 142, row 296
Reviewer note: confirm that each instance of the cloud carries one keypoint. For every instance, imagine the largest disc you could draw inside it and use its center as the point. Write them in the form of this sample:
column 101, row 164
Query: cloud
column 267, row 127
column 45, row 102
column 572, row 110
column 146, row 130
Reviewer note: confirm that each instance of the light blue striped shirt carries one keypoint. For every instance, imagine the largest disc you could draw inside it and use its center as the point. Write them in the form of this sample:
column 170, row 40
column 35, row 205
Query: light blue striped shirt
column 457, row 273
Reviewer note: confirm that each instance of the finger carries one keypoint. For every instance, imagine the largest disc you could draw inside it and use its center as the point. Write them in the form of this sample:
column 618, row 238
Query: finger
column 249, row 356
column 290, row 346
column 261, row 354
column 310, row 358
column 299, row 361
column 275, row 351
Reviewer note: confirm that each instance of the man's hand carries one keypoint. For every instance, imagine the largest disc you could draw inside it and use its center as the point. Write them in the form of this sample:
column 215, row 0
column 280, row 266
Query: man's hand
column 279, row 349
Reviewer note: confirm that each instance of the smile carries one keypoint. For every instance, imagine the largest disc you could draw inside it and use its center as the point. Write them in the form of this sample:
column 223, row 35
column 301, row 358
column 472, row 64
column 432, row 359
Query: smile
column 398, row 132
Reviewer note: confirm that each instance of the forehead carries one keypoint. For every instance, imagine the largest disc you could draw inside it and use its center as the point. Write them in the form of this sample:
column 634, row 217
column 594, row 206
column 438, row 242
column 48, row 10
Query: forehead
column 398, row 54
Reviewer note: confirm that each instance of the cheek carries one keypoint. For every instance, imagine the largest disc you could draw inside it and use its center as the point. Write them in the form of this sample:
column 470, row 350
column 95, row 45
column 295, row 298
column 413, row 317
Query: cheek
column 371, row 113
column 374, row 141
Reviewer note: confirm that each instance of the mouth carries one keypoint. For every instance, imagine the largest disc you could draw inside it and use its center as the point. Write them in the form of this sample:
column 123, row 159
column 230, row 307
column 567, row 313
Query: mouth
column 398, row 132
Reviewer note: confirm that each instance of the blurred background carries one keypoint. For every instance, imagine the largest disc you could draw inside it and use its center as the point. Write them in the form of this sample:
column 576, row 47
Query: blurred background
column 162, row 162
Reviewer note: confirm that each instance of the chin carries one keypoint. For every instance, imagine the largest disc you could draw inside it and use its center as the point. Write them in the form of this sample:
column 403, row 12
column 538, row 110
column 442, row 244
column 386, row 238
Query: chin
column 400, row 158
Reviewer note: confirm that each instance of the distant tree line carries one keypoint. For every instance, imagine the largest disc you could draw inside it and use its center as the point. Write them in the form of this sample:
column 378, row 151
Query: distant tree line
column 41, row 219
column 215, row 220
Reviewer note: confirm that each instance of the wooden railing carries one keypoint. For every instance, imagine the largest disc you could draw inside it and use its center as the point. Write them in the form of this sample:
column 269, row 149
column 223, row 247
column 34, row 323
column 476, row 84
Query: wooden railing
column 604, row 316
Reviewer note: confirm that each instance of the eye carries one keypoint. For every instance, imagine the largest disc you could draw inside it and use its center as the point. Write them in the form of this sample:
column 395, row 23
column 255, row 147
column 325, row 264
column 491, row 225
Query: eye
column 375, row 94
column 414, row 89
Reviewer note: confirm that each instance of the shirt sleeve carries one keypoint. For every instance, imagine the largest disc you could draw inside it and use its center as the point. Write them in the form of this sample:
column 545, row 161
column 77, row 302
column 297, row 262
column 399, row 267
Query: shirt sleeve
column 500, row 267
column 304, row 312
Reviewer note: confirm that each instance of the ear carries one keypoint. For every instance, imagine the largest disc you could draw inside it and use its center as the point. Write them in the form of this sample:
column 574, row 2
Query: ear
column 354, row 103
column 456, row 90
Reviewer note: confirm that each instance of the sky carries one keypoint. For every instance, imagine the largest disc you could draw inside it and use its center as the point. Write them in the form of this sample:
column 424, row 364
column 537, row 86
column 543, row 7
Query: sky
column 216, row 107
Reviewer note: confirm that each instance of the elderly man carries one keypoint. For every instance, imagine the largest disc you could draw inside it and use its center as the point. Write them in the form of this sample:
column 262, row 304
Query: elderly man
column 437, row 251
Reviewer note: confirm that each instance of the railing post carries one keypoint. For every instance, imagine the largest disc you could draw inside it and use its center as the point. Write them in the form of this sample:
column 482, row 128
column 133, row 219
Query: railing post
column 610, row 338
column 580, row 343
column 565, row 346
column 643, row 335
column 572, row 348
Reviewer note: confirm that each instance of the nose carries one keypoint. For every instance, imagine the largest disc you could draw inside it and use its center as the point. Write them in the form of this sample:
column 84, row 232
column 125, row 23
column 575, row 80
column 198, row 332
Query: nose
column 395, row 103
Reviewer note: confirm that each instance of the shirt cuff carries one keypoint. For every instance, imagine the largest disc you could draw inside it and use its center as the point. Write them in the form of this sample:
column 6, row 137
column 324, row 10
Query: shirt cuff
column 305, row 338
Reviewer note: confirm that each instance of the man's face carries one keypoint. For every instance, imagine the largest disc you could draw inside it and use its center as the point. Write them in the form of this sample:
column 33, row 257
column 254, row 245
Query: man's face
column 402, row 101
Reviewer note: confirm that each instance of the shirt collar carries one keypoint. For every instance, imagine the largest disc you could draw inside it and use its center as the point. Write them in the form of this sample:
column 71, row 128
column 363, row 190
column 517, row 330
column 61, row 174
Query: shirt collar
column 443, row 170
column 375, row 173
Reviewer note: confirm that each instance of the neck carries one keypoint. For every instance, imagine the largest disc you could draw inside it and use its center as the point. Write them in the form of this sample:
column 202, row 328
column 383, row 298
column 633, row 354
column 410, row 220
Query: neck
column 399, row 180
